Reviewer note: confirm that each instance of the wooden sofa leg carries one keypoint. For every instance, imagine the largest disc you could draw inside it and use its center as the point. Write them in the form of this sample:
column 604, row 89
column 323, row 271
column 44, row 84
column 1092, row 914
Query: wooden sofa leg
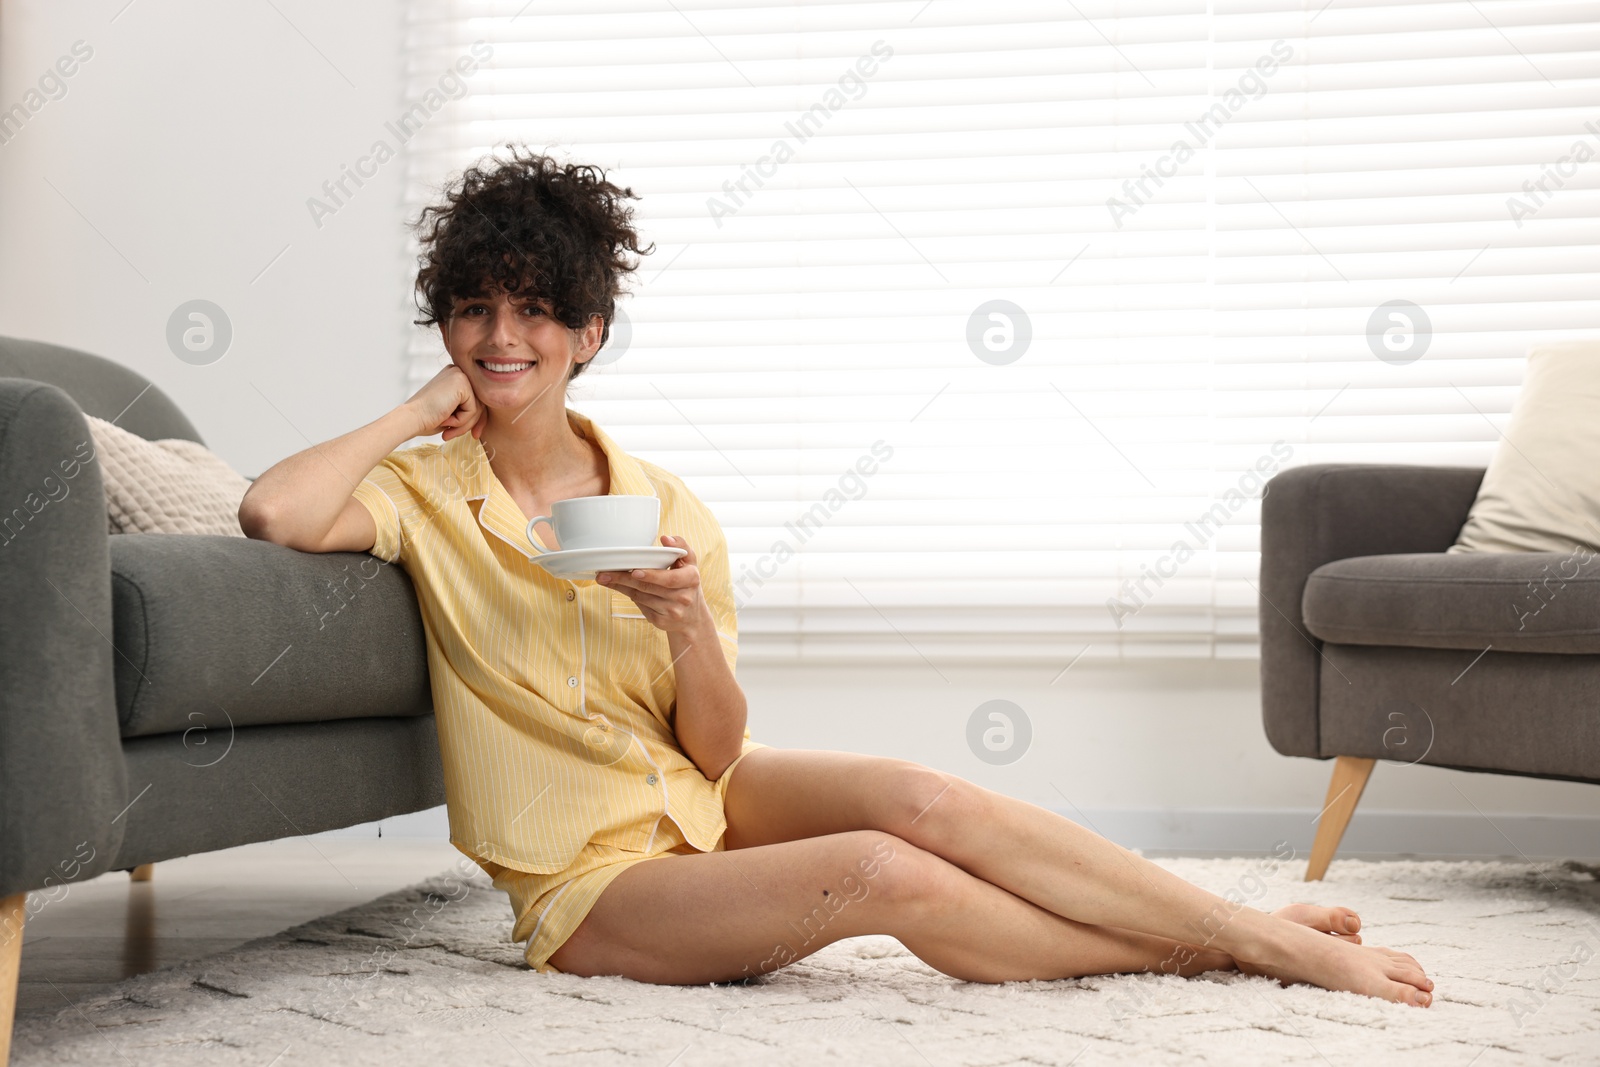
column 13, row 910
column 141, row 873
column 1350, row 774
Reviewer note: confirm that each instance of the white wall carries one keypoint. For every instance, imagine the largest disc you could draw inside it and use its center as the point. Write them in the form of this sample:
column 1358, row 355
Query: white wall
column 191, row 140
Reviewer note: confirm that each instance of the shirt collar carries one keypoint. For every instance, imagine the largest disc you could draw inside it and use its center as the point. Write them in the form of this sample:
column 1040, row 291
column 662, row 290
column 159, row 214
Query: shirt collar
column 499, row 514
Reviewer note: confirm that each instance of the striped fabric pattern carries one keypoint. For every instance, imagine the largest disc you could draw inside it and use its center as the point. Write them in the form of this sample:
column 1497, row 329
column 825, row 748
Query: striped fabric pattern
column 553, row 697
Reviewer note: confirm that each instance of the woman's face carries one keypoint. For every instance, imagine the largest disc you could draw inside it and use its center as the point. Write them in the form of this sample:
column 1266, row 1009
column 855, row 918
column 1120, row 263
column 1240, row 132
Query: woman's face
column 513, row 350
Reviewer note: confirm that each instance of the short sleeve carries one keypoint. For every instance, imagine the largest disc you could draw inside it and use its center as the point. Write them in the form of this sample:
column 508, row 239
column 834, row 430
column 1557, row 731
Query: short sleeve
column 395, row 506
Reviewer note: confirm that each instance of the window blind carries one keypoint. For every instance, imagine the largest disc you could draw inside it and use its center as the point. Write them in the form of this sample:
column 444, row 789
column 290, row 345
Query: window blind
column 980, row 325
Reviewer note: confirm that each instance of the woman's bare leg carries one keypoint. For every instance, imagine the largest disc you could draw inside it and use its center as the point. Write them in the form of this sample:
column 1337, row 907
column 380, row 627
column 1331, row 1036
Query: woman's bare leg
column 720, row 916
column 785, row 794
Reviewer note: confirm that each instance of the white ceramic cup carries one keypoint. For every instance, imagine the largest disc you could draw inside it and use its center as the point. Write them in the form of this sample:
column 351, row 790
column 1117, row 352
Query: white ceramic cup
column 615, row 521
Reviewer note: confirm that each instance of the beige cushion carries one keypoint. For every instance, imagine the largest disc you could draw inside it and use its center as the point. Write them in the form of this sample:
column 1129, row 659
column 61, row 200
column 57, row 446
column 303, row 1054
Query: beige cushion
column 167, row 486
column 1541, row 492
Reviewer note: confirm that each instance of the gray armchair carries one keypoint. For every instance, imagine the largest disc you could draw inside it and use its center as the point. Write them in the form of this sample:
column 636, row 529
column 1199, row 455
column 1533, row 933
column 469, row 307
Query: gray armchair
column 162, row 695
column 1378, row 644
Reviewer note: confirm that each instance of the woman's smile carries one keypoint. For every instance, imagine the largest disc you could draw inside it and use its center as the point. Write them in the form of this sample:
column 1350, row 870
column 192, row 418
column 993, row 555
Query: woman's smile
column 500, row 370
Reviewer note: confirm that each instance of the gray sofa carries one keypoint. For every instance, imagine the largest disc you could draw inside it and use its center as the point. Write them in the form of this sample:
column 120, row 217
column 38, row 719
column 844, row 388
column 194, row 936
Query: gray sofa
column 1377, row 644
column 162, row 695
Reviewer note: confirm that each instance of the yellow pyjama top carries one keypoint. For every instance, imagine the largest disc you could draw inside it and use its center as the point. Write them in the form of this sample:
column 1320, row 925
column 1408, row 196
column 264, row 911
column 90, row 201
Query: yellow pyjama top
column 553, row 697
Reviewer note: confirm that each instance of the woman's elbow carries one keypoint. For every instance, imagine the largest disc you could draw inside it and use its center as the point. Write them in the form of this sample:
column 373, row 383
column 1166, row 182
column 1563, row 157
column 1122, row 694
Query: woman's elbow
column 718, row 763
column 254, row 519
column 259, row 522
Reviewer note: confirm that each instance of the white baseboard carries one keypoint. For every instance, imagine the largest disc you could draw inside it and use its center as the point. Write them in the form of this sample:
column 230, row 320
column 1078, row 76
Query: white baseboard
column 1372, row 834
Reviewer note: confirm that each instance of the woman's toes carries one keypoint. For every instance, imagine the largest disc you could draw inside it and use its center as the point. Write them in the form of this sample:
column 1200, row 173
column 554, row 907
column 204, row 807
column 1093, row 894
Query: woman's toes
column 1403, row 966
column 1408, row 975
column 1344, row 926
column 1405, row 994
column 1341, row 922
column 1413, row 977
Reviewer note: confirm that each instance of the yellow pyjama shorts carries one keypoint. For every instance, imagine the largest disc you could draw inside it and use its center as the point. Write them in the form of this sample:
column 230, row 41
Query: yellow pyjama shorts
column 549, row 907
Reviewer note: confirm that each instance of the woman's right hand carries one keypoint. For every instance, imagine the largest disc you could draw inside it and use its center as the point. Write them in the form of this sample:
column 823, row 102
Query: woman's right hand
column 447, row 403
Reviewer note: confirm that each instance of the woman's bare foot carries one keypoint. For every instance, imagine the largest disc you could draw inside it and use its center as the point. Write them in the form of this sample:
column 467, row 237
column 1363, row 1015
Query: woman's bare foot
column 1297, row 952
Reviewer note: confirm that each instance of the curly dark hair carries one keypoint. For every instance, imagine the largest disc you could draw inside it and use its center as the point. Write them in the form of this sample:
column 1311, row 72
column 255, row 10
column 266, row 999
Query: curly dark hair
column 528, row 224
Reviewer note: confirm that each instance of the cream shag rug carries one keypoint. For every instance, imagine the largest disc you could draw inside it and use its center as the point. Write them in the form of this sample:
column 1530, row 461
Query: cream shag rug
column 425, row 975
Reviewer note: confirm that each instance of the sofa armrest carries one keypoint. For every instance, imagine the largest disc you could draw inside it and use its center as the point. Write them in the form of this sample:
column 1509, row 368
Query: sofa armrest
column 1321, row 512
column 63, row 782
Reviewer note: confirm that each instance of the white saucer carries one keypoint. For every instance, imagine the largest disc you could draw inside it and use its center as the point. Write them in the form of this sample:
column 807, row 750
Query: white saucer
column 587, row 562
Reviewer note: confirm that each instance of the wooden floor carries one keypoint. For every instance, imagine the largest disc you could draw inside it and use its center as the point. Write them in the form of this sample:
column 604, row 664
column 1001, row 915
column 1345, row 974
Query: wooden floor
column 110, row 927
